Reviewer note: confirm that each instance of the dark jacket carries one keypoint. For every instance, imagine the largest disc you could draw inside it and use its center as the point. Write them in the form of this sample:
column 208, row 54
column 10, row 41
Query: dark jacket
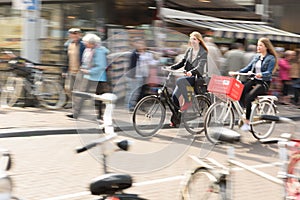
column 267, row 66
column 132, row 64
column 196, row 67
column 81, row 50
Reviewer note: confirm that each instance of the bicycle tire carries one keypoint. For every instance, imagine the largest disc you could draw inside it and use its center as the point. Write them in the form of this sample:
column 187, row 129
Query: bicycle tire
column 148, row 116
column 50, row 94
column 292, row 185
column 218, row 118
column 202, row 184
column 193, row 117
column 11, row 91
column 261, row 129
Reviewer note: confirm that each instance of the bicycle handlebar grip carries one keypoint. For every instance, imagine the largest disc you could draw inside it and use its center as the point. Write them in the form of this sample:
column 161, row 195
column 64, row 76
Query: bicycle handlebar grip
column 270, row 117
column 85, row 148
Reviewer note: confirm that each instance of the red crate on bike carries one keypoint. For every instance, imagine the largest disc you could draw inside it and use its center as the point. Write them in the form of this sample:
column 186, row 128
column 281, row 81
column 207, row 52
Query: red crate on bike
column 225, row 85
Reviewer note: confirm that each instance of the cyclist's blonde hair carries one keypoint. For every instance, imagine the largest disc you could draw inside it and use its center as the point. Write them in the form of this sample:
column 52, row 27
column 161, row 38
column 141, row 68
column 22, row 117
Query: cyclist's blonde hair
column 199, row 38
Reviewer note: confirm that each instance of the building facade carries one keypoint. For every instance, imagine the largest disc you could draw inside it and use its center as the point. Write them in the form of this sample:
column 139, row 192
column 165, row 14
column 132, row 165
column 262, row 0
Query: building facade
column 57, row 16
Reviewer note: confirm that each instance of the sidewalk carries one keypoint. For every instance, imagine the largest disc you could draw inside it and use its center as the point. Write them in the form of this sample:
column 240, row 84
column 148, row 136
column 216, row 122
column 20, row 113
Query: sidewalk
column 30, row 121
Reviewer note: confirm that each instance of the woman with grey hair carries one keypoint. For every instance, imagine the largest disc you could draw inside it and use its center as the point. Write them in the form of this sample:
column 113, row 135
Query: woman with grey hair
column 93, row 71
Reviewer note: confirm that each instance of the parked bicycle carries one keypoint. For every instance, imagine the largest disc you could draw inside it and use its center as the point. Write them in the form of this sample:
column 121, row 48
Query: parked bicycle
column 110, row 186
column 150, row 112
column 211, row 179
column 221, row 114
column 29, row 83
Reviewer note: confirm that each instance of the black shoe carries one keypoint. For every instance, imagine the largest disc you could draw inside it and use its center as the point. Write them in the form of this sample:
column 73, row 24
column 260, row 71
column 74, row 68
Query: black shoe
column 72, row 116
column 68, row 105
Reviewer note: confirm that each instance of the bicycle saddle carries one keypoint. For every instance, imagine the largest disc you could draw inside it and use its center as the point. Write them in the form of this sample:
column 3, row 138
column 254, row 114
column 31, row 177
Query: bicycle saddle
column 110, row 183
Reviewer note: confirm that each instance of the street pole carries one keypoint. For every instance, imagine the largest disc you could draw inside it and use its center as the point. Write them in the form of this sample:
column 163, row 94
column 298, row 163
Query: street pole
column 31, row 30
column 30, row 41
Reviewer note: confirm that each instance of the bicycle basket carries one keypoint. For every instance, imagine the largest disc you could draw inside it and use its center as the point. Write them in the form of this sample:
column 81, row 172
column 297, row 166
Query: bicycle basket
column 228, row 86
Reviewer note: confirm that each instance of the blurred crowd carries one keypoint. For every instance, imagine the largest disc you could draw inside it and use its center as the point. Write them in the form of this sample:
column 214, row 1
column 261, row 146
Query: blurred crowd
column 220, row 60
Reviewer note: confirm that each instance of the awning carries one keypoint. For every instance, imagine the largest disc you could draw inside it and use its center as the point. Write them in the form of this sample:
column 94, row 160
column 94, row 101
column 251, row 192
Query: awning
column 229, row 28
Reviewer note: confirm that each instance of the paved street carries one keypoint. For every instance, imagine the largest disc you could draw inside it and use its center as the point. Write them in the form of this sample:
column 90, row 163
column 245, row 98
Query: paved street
column 47, row 167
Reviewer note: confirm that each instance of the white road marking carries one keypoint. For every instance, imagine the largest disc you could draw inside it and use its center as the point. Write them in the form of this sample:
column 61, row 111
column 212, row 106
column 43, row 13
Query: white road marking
column 84, row 193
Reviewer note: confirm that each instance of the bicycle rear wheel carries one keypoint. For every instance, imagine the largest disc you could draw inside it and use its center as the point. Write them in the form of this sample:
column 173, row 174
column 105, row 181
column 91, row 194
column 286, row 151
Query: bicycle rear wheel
column 12, row 91
column 261, row 129
column 218, row 119
column 292, row 184
column 50, row 94
column 193, row 117
column 148, row 116
column 202, row 184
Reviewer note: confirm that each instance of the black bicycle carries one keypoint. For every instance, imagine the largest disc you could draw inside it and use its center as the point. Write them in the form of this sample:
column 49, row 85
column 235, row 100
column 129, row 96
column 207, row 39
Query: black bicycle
column 150, row 112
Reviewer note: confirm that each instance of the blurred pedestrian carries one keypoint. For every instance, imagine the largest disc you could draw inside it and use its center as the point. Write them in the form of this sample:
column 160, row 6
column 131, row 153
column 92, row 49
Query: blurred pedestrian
column 139, row 67
column 194, row 63
column 234, row 59
column 74, row 48
column 249, row 54
column 93, row 77
column 262, row 65
column 284, row 75
column 215, row 57
column 295, row 76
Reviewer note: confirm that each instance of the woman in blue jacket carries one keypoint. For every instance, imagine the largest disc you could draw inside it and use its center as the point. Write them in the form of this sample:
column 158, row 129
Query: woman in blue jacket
column 262, row 66
column 93, row 71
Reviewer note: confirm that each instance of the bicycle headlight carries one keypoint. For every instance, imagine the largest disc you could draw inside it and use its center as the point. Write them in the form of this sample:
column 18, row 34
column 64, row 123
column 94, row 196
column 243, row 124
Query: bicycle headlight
column 159, row 91
column 5, row 187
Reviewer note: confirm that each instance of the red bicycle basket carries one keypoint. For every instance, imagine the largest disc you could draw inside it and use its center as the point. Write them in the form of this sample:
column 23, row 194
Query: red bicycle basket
column 223, row 85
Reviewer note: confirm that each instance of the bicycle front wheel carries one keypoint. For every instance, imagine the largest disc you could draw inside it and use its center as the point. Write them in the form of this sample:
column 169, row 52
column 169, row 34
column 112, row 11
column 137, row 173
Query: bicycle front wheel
column 219, row 118
column 12, row 91
column 202, row 184
column 193, row 117
column 50, row 94
column 292, row 185
column 148, row 116
column 262, row 128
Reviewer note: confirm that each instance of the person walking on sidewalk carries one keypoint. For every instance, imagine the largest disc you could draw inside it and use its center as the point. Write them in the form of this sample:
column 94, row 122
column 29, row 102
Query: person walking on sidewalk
column 74, row 48
column 284, row 75
column 93, row 77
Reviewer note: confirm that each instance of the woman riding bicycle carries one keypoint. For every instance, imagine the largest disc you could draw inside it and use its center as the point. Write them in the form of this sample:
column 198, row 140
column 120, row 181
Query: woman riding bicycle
column 194, row 60
column 261, row 66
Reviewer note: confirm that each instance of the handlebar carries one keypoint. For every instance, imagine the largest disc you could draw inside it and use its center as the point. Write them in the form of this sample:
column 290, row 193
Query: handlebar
column 277, row 119
column 6, row 160
column 96, row 142
column 105, row 97
column 168, row 69
column 123, row 144
column 240, row 74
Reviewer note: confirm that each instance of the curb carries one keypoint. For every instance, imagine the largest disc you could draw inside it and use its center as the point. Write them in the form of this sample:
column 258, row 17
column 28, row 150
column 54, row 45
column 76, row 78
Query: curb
column 6, row 133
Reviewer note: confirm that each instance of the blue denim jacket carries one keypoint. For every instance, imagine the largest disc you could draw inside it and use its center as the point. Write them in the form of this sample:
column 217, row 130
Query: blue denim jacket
column 267, row 67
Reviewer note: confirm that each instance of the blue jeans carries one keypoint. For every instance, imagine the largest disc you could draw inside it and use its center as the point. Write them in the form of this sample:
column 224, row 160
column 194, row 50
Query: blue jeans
column 181, row 89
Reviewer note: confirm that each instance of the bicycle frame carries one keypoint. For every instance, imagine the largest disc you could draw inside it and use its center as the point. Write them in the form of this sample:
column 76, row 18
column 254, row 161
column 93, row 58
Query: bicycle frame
column 163, row 93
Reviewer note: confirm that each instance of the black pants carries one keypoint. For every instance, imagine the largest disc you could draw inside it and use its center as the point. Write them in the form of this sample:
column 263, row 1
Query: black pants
column 102, row 87
column 252, row 89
